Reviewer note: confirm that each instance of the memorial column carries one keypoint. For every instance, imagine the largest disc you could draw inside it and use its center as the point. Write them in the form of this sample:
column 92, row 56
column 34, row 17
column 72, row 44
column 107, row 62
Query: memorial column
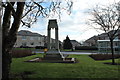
column 48, row 38
column 56, row 39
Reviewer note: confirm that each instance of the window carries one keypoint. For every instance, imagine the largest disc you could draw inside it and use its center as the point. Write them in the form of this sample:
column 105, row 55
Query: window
column 42, row 39
column 31, row 38
column 32, row 43
column 24, row 44
column 39, row 38
column 36, row 38
column 24, row 37
column 115, row 44
column 116, row 38
column 40, row 43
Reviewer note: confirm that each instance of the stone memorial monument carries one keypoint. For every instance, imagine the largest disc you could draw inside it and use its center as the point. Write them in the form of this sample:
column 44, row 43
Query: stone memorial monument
column 53, row 52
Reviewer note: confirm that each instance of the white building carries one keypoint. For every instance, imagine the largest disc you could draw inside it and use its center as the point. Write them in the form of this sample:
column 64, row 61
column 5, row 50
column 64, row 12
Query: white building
column 27, row 38
column 30, row 39
column 104, row 46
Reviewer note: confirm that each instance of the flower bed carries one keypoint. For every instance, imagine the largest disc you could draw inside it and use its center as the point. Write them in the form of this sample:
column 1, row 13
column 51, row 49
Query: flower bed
column 21, row 53
column 103, row 56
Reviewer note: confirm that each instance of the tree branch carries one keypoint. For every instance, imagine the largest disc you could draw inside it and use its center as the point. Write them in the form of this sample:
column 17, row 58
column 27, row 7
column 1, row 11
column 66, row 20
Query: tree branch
column 6, row 20
column 15, row 26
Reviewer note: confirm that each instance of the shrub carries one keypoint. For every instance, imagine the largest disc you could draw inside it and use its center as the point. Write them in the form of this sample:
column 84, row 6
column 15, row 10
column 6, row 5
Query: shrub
column 20, row 53
column 40, row 47
column 103, row 56
column 67, row 43
column 25, row 47
column 85, row 48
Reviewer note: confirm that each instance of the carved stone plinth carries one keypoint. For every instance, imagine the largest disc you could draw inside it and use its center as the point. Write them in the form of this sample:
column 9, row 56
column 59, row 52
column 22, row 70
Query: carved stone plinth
column 53, row 60
column 53, row 55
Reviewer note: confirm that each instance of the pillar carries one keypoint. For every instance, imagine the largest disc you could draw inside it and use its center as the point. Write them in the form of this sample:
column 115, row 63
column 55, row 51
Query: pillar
column 52, row 24
column 48, row 39
column 56, row 39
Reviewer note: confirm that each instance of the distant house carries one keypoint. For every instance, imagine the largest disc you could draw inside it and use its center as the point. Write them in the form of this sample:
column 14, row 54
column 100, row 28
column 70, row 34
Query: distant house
column 93, row 40
column 104, row 46
column 75, row 43
column 27, row 38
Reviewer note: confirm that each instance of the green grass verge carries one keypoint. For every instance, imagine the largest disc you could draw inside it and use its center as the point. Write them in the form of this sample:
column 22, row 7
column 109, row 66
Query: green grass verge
column 86, row 68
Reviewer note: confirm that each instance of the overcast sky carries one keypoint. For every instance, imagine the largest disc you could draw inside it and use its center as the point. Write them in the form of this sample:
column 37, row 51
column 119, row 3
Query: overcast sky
column 73, row 25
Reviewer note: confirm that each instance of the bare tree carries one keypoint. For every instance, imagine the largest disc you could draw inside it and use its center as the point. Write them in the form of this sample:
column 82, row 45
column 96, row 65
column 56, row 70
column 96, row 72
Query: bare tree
column 25, row 13
column 107, row 19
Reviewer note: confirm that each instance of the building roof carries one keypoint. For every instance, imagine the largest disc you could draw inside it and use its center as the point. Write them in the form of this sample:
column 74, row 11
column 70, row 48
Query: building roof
column 106, row 40
column 27, row 33
column 75, row 43
column 103, row 35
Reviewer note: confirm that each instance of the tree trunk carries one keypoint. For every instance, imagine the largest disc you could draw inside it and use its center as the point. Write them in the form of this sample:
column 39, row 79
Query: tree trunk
column 6, row 60
column 10, row 39
column 112, row 51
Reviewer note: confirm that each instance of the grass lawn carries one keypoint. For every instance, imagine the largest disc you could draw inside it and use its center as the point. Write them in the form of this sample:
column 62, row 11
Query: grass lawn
column 86, row 68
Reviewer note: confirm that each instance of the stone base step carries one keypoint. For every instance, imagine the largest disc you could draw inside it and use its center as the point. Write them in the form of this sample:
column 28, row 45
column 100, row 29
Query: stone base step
column 53, row 57
column 52, row 60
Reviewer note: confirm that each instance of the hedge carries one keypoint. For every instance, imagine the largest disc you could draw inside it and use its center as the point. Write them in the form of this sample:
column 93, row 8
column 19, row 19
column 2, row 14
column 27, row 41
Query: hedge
column 16, row 53
column 86, row 48
column 104, row 56
column 40, row 47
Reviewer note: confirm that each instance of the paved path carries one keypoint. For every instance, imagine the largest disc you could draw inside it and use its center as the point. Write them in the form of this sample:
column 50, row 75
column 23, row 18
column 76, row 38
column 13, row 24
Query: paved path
column 69, row 52
column 77, row 52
